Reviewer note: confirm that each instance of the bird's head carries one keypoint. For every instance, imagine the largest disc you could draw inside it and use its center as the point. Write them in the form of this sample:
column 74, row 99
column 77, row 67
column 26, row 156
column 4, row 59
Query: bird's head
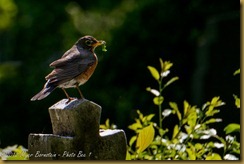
column 89, row 42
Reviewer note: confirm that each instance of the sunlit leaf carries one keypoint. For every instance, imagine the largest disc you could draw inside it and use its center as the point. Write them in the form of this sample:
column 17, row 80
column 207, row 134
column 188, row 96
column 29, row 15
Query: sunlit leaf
column 103, row 126
column 213, row 156
column 191, row 154
column 145, row 138
column 161, row 64
column 162, row 132
column 213, row 120
column 158, row 100
column 128, row 156
column 167, row 65
column 174, row 106
column 186, row 107
column 211, row 112
column 198, row 146
column 176, row 131
column 237, row 101
column 154, row 72
column 149, row 117
column 192, row 119
column 132, row 140
column 205, row 105
column 107, row 123
column 237, row 72
column 188, row 129
column 171, row 81
column 233, row 127
column 216, row 102
column 136, row 125
column 140, row 114
column 210, row 145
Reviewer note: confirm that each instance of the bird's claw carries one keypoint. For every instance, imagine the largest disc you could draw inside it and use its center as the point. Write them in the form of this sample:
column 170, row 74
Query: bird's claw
column 70, row 99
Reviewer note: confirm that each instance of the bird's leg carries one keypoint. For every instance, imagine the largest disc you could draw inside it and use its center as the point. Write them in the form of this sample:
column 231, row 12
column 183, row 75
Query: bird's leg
column 81, row 95
column 69, row 98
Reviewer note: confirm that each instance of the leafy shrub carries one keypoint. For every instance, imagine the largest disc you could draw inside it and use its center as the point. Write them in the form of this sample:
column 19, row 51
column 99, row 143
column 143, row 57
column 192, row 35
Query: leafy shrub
column 14, row 153
column 192, row 138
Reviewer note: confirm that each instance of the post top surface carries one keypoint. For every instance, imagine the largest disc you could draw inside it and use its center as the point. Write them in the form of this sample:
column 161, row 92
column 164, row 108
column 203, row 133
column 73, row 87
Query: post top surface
column 108, row 132
column 62, row 104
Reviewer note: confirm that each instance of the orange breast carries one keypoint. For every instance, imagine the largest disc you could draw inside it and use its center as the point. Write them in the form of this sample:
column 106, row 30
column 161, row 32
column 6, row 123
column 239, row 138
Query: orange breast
column 84, row 77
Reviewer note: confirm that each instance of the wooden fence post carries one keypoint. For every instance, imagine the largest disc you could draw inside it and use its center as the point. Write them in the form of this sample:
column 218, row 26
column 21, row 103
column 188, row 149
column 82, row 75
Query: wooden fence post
column 76, row 135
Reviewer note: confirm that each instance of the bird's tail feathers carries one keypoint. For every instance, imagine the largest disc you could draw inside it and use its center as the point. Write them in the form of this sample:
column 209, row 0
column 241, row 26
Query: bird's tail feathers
column 43, row 93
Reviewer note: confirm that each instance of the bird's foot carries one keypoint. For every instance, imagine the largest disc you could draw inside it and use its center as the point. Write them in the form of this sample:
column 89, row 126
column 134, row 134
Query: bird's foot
column 70, row 99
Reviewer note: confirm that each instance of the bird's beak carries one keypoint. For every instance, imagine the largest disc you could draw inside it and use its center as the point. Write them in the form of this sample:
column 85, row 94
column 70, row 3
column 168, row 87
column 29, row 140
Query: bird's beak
column 100, row 42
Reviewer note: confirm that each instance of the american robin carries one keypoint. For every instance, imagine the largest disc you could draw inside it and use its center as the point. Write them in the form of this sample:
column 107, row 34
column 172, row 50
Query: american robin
column 73, row 69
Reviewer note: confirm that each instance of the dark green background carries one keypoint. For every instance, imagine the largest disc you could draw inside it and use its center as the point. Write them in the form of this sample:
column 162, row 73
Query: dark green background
column 201, row 38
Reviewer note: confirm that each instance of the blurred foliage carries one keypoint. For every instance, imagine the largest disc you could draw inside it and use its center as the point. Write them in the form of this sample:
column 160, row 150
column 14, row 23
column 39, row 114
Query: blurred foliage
column 192, row 137
column 108, row 125
column 8, row 12
column 14, row 153
column 194, row 34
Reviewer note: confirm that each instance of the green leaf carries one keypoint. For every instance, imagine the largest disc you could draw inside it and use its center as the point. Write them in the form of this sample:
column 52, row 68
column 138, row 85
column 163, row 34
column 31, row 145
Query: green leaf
column 233, row 127
column 213, row 156
column 187, row 107
column 149, row 117
column 136, row 125
column 103, row 127
column 154, row 72
column 161, row 64
column 176, row 131
column 191, row 154
column 188, row 130
column 192, row 119
column 107, row 123
column 132, row 140
column 237, row 72
column 205, row 105
column 128, row 156
column 171, row 81
column 198, row 146
column 237, row 101
column 167, row 65
column 158, row 100
column 213, row 120
column 145, row 138
column 162, row 132
column 211, row 112
column 216, row 102
column 174, row 106
column 140, row 114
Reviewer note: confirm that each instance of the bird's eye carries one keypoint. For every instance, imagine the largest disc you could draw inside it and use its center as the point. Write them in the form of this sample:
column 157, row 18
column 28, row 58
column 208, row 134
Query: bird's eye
column 88, row 42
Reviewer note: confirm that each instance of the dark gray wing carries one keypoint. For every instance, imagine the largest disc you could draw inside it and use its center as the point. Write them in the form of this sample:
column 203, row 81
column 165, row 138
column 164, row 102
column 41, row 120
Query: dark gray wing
column 70, row 65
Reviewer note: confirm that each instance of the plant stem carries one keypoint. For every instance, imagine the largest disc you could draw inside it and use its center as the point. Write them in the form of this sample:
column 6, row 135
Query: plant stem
column 160, row 106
